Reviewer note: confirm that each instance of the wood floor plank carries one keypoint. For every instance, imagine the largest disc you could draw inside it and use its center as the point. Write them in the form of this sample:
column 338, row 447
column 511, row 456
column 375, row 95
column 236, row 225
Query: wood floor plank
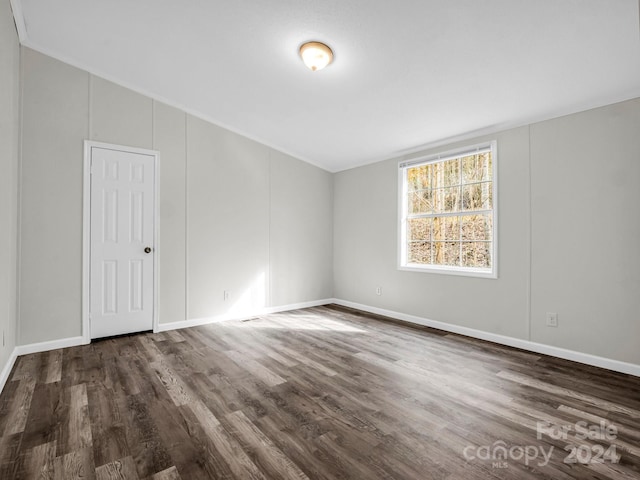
column 153, row 353
column 122, row 469
column 145, row 445
column 170, row 473
column 48, row 416
column 7, row 403
column 77, row 465
column 323, row 393
column 9, row 453
column 530, row 382
column 177, row 389
column 54, row 366
column 28, row 367
column 107, row 425
column 230, row 450
column 79, row 423
column 125, row 368
column 217, row 393
column 186, row 445
column 267, row 455
column 39, row 461
column 357, row 463
column 72, row 365
column 174, row 336
column 301, row 358
column 19, row 410
column 255, row 368
column 303, row 453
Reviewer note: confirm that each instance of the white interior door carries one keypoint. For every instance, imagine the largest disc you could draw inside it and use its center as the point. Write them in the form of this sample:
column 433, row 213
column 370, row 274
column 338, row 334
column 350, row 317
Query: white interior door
column 122, row 207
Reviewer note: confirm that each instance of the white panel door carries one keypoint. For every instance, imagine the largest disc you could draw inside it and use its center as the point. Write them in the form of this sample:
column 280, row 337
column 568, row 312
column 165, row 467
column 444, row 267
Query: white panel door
column 122, row 233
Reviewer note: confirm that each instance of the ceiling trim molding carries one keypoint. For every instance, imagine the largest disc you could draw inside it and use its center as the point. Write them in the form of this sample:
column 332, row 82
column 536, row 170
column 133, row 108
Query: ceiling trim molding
column 493, row 130
column 159, row 98
column 404, row 154
column 485, row 133
column 18, row 17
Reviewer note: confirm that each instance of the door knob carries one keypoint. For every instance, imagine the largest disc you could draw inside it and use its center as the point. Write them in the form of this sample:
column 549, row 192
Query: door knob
column 147, row 249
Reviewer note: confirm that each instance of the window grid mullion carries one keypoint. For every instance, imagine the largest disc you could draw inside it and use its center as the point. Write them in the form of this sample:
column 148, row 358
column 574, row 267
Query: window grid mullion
column 449, row 214
column 431, row 223
column 450, row 241
column 459, row 218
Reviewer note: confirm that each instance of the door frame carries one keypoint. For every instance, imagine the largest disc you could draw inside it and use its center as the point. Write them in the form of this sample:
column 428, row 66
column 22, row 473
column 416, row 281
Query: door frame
column 86, row 230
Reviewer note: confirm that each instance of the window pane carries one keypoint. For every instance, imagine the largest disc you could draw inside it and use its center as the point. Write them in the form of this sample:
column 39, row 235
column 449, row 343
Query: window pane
column 419, row 178
column 446, row 253
column 477, row 168
column 445, row 174
column 446, row 200
column 452, row 230
column 477, row 196
column 477, row 227
column 488, row 202
column 419, row 229
column 476, row 254
column 446, row 228
column 420, row 201
column 419, row 252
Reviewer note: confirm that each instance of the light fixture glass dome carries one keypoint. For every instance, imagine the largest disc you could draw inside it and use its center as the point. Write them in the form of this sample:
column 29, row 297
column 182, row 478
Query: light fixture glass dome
column 316, row 55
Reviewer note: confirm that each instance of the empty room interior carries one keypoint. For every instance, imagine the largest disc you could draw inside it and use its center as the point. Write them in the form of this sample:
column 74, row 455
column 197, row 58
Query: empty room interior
column 320, row 240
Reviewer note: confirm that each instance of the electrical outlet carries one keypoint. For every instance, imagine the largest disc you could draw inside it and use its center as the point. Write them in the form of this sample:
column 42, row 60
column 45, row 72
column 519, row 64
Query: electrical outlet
column 378, row 290
column 552, row 319
column 225, row 295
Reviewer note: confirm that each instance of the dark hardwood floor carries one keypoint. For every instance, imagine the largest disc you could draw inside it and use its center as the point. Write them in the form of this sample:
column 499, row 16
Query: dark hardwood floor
column 321, row 393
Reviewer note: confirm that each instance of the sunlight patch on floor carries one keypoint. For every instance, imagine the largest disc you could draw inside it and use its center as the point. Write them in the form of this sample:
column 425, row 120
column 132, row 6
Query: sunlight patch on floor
column 297, row 323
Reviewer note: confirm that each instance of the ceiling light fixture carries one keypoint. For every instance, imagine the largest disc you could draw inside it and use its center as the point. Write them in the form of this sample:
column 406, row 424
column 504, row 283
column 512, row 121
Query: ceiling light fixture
column 316, row 55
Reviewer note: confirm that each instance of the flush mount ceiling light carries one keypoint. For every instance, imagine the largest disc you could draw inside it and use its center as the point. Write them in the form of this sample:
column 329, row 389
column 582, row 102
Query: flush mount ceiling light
column 316, row 55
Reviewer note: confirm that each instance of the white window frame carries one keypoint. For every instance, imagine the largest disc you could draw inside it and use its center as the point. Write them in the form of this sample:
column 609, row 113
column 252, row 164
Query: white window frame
column 403, row 207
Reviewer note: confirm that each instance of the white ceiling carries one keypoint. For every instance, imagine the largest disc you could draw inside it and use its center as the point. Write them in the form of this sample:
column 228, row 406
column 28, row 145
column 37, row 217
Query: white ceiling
column 407, row 74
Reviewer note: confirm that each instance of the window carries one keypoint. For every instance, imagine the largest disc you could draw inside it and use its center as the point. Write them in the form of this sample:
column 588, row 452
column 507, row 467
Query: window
column 448, row 218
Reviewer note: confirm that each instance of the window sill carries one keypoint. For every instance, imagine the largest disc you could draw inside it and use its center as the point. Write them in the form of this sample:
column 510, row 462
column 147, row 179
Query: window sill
column 460, row 271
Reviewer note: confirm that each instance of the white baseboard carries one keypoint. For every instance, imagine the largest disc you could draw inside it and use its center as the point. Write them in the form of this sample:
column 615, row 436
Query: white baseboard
column 4, row 374
column 46, row 346
column 194, row 322
column 586, row 358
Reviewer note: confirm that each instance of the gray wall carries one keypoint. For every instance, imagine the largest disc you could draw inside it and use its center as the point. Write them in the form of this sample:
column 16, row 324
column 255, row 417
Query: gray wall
column 568, row 236
column 271, row 230
column 9, row 151
column 55, row 112
column 232, row 217
column 585, row 224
